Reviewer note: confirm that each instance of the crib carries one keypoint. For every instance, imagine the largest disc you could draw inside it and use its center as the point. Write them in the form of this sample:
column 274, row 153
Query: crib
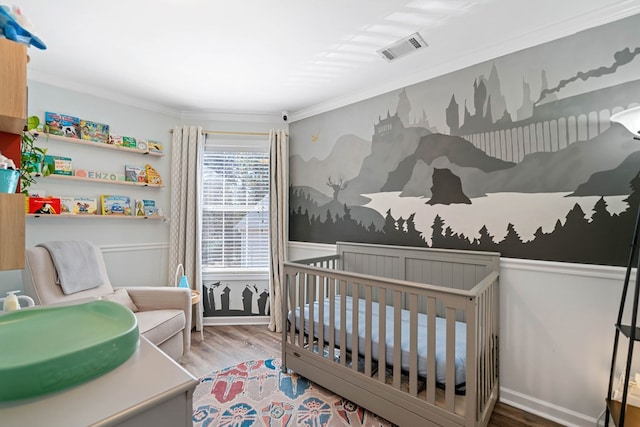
column 410, row 334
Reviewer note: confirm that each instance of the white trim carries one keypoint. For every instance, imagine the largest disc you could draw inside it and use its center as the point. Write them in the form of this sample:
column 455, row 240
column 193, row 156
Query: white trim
column 565, row 268
column 134, row 247
column 228, row 116
column 60, row 82
column 544, row 409
column 235, row 320
column 320, row 247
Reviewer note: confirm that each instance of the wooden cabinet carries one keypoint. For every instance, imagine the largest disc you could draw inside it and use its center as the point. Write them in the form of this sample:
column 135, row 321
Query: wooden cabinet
column 12, row 230
column 13, row 86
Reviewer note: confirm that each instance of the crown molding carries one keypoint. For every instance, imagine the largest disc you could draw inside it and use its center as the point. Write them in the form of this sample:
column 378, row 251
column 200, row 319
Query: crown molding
column 544, row 34
column 45, row 78
column 228, row 116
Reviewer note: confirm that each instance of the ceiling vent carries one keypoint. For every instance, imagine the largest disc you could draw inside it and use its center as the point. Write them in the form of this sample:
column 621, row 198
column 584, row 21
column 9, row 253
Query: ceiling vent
column 403, row 47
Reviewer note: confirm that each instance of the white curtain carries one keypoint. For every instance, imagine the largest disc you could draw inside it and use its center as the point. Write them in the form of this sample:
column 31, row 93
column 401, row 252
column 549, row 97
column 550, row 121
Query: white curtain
column 278, row 193
column 184, row 230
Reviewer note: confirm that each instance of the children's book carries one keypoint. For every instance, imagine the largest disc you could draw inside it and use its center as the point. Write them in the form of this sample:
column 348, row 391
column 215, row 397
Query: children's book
column 85, row 206
column 139, row 208
column 115, row 205
column 135, row 173
column 44, row 205
column 58, row 165
column 92, row 131
column 154, row 146
column 153, row 177
column 146, row 208
column 61, row 124
column 128, row 141
column 115, row 140
column 66, row 205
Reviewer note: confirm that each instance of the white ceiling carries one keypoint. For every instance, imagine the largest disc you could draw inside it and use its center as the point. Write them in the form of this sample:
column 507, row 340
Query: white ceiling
column 260, row 57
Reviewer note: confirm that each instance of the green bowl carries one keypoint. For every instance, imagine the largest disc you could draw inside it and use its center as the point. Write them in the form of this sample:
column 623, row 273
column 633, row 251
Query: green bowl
column 46, row 349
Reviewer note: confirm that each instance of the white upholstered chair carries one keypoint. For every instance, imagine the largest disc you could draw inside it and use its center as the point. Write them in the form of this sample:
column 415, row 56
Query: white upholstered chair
column 163, row 313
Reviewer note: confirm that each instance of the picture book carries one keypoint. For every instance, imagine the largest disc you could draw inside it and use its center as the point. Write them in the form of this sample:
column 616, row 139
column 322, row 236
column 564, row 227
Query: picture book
column 134, row 174
column 153, row 177
column 146, row 208
column 58, row 165
column 92, row 131
column 139, row 209
column 85, row 206
column 61, row 124
column 44, row 205
column 154, row 146
column 152, row 211
column 115, row 205
column 115, row 140
column 128, row 141
column 66, row 205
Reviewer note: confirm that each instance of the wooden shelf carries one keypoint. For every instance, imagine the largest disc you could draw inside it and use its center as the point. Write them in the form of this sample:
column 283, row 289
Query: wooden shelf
column 49, row 136
column 12, row 230
column 89, row 216
column 631, row 415
column 13, row 86
column 102, row 181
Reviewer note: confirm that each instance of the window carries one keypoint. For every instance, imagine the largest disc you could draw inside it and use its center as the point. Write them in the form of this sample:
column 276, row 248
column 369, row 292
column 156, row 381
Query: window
column 235, row 212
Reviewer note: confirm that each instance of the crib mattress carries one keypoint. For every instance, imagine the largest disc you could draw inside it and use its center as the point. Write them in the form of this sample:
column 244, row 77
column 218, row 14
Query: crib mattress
column 440, row 352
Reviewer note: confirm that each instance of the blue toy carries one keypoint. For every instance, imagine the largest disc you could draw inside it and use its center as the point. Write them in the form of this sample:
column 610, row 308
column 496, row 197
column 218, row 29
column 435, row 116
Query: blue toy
column 17, row 27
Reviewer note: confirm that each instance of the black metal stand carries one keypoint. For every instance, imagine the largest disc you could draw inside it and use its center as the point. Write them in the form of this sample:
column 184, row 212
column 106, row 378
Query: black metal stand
column 630, row 331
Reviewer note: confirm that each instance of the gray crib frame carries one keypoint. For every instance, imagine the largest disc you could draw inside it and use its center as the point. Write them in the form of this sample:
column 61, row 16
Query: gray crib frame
column 455, row 285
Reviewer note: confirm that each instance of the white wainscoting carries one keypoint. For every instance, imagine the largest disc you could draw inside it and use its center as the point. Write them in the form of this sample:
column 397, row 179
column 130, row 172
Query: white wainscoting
column 137, row 264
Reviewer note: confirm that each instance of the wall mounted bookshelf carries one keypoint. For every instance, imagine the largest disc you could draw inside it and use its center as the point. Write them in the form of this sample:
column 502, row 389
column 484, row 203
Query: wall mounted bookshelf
column 48, row 137
column 115, row 217
column 101, row 181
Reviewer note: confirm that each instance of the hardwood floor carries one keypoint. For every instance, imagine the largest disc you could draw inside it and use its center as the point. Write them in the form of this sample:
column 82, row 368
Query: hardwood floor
column 227, row 345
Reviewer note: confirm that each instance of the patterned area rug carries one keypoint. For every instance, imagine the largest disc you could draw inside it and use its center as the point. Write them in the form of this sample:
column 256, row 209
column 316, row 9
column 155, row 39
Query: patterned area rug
column 257, row 393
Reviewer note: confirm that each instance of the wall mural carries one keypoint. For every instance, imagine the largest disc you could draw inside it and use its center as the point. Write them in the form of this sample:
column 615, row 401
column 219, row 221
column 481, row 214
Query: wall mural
column 235, row 298
column 515, row 155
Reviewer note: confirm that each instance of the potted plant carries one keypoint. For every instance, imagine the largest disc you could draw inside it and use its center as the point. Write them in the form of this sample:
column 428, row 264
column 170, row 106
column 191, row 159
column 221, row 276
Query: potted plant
column 32, row 160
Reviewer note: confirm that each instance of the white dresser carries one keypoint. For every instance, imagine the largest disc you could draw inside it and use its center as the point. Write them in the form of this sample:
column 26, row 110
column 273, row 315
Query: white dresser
column 149, row 389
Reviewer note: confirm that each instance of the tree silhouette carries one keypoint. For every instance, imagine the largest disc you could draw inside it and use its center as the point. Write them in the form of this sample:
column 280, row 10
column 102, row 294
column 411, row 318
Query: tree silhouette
column 511, row 241
column 486, row 241
column 437, row 238
column 600, row 213
column 602, row 239
column 389, row 226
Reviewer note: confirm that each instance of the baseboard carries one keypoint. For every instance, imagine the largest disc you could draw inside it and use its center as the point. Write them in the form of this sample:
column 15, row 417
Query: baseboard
column 544, row 409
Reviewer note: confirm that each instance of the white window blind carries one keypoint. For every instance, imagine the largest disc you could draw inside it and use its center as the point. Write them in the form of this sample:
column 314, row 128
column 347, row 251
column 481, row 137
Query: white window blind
column 235, row 217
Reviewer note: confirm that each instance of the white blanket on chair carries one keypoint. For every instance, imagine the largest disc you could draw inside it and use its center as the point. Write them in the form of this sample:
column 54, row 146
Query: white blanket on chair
column 76, row 265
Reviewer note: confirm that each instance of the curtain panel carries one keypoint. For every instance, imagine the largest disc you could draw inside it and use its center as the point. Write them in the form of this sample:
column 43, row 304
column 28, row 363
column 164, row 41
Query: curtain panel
column 278, row 193
column 185, row 218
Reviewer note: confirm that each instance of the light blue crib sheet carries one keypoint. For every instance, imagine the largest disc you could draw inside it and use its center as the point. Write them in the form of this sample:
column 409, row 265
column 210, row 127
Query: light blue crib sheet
column 460, row 336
